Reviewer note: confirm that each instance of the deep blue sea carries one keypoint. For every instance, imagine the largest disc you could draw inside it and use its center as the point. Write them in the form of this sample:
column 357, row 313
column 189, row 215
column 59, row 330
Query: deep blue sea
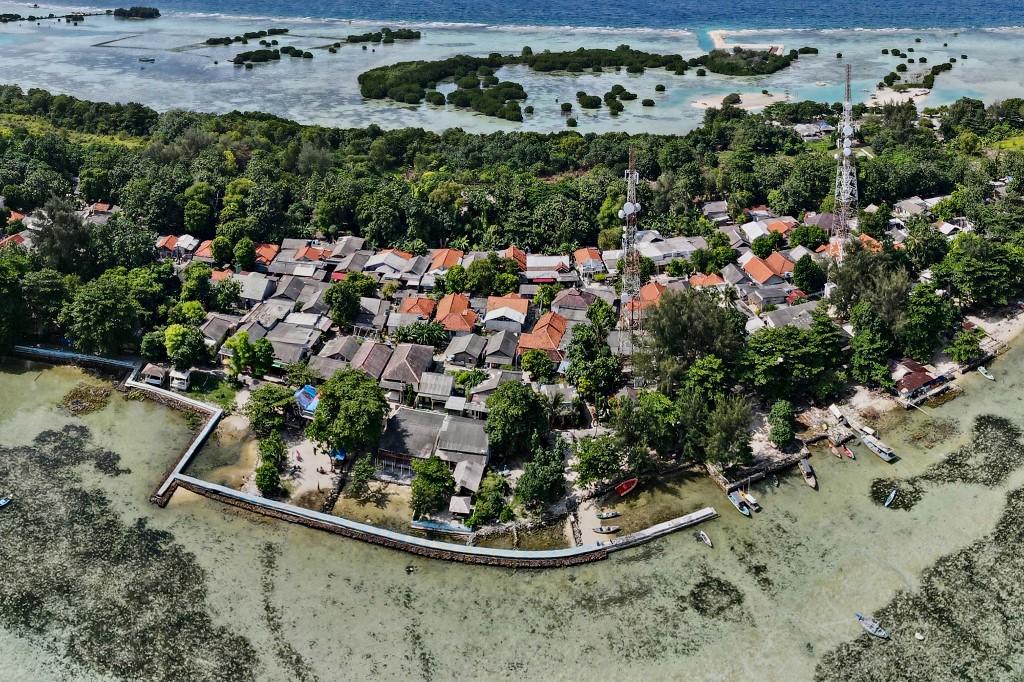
column 687, row 14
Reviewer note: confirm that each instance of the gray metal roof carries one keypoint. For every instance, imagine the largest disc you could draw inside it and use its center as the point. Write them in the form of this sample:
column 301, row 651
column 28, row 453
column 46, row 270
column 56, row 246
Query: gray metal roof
column 463, row 435
column 471, row 344
column 435, row 385
column 412, row 433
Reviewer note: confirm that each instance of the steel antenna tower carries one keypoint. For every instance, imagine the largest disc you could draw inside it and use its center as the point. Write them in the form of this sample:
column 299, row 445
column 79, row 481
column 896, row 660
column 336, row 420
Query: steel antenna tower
column 846, row 177
column 630, row 263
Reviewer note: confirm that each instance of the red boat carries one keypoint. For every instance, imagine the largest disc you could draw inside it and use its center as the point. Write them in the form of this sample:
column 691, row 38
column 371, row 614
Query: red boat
column 624, row 487
column 849, row 452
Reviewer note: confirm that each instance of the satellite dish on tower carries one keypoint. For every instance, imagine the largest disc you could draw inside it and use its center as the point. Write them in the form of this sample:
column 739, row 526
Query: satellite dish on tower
column 847, row 130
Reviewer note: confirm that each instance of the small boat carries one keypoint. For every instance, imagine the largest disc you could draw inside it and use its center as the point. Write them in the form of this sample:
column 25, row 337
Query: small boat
column 705, row 538
column 884, row 452
column 605, row 530
column 848, row 452
column 608, row 515
column 983, row 371
column 808, row 473
column 891, row 498
column 918, row 636
column 148, row 60
column 740, row 505
column 750, row 500
column 4, row 501
column 835, row 451
column 872, row 626
column 627, row 485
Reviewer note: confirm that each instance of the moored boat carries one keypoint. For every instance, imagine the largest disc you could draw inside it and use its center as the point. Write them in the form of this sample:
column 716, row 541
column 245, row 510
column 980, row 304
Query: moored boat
column 4, row 501
column 750, row 500
column 740, row 505
column 848, row 452
column 148, row 60
column 884, row 452
column 983, row 371
column 705, row 538
column 891, row 498
column 608, row 515
column 808, row 473
column 627, row 485
column 835, row 451
column 605, row 530
column 872, row 626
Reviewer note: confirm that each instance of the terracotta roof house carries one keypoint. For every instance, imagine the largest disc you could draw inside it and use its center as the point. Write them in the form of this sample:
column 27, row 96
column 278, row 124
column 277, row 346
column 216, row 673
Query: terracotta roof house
column 455, row 314
column 506, row 313
column 699, row 281
column 220, row 275
column 870, row 243
column 650, row 294
column 266, row 253
column 780, row 225
column 442, row 259
column 12, row 240
column 515, row 254
column 546, row 336
column 779, row 264
column 15, row 216
column 420, row 305
column 311, row 253
column 760, row 272
column 588, row 261
column 205, row 251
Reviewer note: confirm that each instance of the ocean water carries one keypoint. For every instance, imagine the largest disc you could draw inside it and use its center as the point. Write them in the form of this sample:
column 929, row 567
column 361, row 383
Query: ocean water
column 690, row 14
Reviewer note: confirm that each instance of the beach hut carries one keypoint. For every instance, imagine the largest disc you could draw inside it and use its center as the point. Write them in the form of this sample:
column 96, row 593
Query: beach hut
column 154, row 375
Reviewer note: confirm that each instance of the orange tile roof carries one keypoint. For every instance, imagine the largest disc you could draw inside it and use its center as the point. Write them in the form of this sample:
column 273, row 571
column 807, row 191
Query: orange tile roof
column 266, row 253
column 442, row 259
column 12, row 240
column 168, row 242
column 15, row 216
column 869, row 242
column 401, row 254
column 205, row 249
column 779, row 264
column 698, row 280
column 650, row 294
column 454, row 313
column 424, row 307
column 546, row 335
column 513, row 301
column 586, row 254
column 829, row 248
column 311, row 253
column 779, row 225
column 101, row 208
column 515, row 254
column 220, row 275
column 758, row 270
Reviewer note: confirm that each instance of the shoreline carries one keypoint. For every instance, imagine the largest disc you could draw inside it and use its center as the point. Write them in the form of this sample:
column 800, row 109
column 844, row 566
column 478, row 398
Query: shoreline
column 749, row 101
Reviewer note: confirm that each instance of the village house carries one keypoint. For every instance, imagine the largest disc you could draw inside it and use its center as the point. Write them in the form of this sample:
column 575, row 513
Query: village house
column 506, row 313
column 465, row 350
column 500, row 350
column 455, row 314
column 716, row 211
column 546, row 336
column 371, row 358
column 588, row 262
column 340, row 348
column 371, row 316
column 405, row 367
column 435, row 388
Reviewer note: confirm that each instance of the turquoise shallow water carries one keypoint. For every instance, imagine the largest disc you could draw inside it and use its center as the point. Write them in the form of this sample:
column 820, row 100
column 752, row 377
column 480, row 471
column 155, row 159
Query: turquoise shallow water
column 65, row 58
column 780, row 587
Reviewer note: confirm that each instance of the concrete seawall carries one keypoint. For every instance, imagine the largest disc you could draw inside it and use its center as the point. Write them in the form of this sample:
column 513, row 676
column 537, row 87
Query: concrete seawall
column 413, row 544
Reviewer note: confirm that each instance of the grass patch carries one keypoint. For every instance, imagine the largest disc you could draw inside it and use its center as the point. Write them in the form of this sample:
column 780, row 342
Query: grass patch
column 214, row 389
column 1015, row 144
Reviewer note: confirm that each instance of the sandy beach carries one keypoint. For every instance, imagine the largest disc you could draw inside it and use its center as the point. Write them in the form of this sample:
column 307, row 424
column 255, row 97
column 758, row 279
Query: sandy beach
column 750, row 101
column 890, row 96
column 720, row 40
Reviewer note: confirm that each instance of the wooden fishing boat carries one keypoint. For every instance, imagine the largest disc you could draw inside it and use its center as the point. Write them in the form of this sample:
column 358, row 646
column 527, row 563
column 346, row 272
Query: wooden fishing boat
column 705, row 538
column 872, row 626
column 626, row 486
column 605, row 530
column 740, row 505
column 608, row 515
column 891, row 498
column 808, row 473
column 848, row 452
column 983, row 371
column 835, row 451
column 750, row 500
